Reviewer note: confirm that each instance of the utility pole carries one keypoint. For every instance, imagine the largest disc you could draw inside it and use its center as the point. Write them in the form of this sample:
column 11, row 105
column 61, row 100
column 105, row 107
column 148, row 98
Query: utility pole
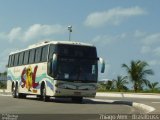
column 70, row 30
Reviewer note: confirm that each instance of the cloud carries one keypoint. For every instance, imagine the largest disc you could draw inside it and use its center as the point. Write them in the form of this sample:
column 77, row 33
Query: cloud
column 103, row 39
column 154, row 62
column 150, row 43
column 108, row 39
column 15, row 33
column 152, row 39
column 145, row 49
column 139, row 33
column 157, row 51
column 113, row 16
column 35, row 31
column 38, row 30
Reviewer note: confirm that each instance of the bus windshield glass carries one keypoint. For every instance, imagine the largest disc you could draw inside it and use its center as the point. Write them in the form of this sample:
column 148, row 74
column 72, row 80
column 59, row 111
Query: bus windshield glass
column 77, row 69
column 76, row 62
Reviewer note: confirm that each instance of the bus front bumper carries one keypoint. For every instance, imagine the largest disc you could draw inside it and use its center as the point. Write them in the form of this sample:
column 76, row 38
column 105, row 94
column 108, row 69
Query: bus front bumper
column 74, row 93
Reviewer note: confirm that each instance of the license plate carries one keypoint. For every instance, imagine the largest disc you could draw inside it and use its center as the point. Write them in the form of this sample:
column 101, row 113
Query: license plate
column 77, row 93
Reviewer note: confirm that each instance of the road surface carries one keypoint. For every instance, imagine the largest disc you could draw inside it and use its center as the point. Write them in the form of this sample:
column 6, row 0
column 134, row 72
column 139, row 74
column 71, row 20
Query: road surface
column 32, row 107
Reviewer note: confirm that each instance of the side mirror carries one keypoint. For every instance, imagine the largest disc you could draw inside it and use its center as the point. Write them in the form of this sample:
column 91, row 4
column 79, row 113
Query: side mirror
column 49, row 68
column 54, row 65
column 102, row 65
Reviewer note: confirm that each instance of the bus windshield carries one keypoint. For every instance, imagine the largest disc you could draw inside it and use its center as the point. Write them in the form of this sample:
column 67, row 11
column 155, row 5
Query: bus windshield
column 84, row 70
column 75, row 62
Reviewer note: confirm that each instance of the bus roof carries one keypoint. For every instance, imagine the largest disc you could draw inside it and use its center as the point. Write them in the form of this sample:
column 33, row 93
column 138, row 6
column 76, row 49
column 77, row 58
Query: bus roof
column 53, row 42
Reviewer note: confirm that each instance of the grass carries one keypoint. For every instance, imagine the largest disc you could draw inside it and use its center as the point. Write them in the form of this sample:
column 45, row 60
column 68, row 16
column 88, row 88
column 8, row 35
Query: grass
column 130, row 91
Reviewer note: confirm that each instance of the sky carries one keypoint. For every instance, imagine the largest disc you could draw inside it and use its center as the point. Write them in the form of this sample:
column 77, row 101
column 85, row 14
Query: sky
column 122, row 30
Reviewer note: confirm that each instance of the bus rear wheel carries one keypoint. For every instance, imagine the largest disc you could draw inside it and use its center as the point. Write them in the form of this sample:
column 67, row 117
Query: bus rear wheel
column 14, row 91
column 44, row 97
column 16, row 94
column 21, row 95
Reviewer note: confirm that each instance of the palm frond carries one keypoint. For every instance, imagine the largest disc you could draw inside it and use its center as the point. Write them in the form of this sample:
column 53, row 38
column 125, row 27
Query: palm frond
column 137, row 71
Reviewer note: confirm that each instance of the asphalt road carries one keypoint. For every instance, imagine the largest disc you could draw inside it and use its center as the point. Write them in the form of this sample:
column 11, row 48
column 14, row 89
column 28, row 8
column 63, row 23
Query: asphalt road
column 88, row 109
column 147, row 101
column 60, row 106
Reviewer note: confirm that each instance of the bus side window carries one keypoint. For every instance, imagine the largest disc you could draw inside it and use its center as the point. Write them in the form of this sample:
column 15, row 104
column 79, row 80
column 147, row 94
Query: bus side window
column 13, row 57
column 31, row 56
column 38, row 55
column 16, row 59
column 51, row 51
column 21, row 56
column 9, row 61
column 26, row 55
column 44, row 53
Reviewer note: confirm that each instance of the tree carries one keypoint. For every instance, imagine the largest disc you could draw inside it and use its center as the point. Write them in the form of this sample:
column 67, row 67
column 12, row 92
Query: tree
column 3, row 78
column 5, row 73
column 137, row 73
column 110, row 85
column 120, row 83
column 2, row 85
column 153, row 86
column 101, row 86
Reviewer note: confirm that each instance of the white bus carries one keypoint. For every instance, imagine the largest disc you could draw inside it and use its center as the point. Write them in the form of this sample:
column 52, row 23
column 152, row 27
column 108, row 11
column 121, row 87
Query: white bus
column 55, row 69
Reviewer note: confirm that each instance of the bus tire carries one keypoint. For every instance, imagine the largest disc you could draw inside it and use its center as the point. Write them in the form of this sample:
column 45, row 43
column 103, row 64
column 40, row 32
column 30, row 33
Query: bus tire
column 45, row 98
column 16, row 94
column 21, row 95
column 39, row 97
column 17, row 91
column 77, row 99
column 14, row 91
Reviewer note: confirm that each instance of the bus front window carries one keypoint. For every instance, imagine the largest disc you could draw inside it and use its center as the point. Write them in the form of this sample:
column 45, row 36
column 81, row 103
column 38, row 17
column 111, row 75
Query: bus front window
column 75, row 69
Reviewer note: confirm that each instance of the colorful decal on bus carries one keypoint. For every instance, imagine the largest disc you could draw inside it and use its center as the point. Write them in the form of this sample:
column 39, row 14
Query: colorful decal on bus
column 28, row 78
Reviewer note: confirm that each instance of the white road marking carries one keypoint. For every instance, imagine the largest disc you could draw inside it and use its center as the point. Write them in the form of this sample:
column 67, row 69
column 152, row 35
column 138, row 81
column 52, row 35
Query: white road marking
column 31, row 96
column 102, row 100
column 4, row 95
column 28, row 96
column 155, row 102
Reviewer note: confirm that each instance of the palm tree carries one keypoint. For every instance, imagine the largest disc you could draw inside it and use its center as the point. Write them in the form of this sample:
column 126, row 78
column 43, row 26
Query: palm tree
column 153, row 86
column 137, row 73
column 120, row 83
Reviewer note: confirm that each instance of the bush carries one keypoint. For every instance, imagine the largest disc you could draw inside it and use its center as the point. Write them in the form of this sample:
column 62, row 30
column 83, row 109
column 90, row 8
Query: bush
column 3, row 85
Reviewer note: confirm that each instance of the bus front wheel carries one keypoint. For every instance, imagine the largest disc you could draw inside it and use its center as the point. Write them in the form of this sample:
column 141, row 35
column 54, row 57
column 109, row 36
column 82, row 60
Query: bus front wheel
column 77, row 99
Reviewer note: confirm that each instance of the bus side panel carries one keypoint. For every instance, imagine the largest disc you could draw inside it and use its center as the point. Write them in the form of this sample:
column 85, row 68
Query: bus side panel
column 30, row 78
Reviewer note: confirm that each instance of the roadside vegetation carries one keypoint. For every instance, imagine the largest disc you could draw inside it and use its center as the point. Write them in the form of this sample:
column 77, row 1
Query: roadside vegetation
column 137, row 75
column 3, row 82
column 2, row 85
